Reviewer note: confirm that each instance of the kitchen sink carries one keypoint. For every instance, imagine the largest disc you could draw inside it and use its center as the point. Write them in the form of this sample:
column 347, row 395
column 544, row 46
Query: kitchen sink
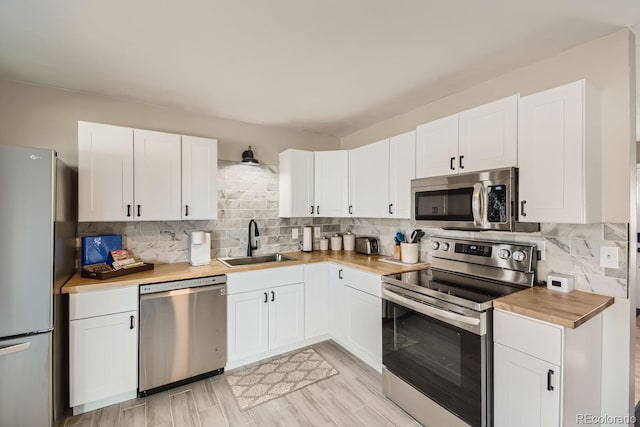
column 258, row 259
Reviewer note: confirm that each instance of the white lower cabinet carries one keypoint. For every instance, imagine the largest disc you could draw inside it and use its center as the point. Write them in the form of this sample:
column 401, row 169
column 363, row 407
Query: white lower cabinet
column 316, row 300
column 355, row 313
column 103, row 348
column 545, row 375
column 265, row 312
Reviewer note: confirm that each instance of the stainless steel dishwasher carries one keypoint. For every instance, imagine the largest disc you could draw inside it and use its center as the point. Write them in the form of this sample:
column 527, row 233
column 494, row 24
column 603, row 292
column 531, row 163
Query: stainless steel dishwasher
column 183, row 332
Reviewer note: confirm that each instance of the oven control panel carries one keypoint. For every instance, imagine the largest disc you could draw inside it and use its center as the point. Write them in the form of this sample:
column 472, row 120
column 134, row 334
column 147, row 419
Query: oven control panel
column 510, row 255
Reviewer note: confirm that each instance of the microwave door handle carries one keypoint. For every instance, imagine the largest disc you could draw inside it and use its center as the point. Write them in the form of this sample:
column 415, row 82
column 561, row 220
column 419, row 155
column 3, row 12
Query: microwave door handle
column 477, row 204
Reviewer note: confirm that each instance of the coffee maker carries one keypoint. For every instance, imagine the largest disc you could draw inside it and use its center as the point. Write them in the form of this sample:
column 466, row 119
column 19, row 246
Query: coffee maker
column 200, row 248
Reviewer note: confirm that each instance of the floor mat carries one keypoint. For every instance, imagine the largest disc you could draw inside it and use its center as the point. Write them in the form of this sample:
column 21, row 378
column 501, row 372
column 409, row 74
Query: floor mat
column 270, row 380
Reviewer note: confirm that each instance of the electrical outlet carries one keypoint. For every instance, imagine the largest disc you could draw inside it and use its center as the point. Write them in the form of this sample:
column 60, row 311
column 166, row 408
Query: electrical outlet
column 294, row 233
column 316, row 231
column 609, row 256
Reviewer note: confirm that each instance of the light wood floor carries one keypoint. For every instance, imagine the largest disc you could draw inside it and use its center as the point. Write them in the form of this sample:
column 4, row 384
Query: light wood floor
column 351, row 398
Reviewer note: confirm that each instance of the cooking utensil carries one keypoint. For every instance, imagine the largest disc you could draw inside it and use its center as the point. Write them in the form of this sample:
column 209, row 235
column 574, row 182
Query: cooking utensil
column 400, row 237
column 416, row 235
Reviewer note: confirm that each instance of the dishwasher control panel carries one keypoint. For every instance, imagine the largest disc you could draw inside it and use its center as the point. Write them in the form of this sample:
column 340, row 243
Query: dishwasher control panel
column 182, row 284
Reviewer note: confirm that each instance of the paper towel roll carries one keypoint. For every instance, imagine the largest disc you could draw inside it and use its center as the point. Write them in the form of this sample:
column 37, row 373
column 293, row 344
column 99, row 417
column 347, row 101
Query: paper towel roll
column 307, row 239
column 197, row 237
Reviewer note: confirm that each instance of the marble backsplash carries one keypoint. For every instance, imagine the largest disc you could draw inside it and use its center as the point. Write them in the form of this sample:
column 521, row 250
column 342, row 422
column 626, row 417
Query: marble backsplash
column 246, row 192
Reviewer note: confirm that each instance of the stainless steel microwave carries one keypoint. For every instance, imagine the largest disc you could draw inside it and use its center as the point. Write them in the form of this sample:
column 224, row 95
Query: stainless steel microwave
column 486, row 200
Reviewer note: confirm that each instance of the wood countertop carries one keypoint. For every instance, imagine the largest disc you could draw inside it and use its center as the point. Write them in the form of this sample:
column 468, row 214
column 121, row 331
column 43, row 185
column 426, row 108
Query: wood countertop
column 182, row 270
column 570, row 309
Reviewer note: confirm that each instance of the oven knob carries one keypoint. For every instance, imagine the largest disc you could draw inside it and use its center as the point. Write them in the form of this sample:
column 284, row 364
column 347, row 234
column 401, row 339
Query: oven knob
column 504, row 253
column 435, row 245
column 518, row 256
column 444, row 246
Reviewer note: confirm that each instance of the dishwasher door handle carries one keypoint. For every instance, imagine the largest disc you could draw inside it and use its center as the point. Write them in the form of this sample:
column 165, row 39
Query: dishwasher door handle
column 184, row 291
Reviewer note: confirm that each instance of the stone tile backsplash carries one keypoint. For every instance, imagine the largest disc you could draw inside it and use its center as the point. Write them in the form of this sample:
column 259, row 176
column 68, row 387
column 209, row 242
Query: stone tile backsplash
column 246, row 192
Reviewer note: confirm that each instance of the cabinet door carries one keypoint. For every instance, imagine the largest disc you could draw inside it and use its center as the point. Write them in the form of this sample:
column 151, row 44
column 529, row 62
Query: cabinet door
column 521, row 390
column 331, row 178
column 247, row 324
column 199, row 178
column 286, row 315
column 488, row 136
column 157, row 176
column 296, row 183
column 337, row 321
column 437, row 147
column 316, row 300
column 105, row 172
column 369, row 180
column 103, row 357
column 402, row 169
column 364, row 326
column 550, row 155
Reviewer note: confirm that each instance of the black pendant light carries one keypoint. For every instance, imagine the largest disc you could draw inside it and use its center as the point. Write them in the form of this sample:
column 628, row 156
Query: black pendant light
column 248, row 159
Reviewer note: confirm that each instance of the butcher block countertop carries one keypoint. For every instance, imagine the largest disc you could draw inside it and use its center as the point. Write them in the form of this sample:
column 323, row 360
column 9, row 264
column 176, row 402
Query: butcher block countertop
column 570, row 309
column 182, row 270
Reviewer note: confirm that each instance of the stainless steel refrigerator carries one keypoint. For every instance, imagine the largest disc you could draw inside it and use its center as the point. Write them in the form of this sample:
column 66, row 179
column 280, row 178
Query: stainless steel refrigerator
column 37, row 255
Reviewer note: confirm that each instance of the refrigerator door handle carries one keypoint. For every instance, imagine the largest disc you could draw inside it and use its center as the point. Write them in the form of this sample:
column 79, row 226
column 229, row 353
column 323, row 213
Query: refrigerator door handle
column 14, row 348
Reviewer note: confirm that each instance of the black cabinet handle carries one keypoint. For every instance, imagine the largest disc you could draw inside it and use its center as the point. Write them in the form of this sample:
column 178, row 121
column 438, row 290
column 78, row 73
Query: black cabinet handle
column 138, row 210
column 350, row 209
column 132, row 322
column 266, row 298
column 390, row 208
column 522, row 212
column 549, row 374
column 318, row 209
column 451, row 160
column 128, row 210
column 186, row 210
column 273, row 296
column 311, row 209
column 460, row 162
column 340, row 274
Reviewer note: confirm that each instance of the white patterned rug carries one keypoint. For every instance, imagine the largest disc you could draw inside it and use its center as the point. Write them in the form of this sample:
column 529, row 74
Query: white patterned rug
column 270, row 380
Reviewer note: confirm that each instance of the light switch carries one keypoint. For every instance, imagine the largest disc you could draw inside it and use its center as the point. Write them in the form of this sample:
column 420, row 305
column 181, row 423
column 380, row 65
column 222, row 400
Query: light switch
column 294, row 233
column 316, row 231
column 609, row 257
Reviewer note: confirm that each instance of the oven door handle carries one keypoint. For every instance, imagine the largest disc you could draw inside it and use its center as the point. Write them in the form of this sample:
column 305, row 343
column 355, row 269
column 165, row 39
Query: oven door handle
column 478, row 204
column 427, row 310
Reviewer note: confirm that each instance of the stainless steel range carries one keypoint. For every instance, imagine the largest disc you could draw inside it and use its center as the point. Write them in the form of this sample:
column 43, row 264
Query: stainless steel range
column 437, row 329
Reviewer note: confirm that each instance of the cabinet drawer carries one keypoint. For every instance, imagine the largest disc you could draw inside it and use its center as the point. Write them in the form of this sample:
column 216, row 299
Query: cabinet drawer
column 99, row 303
column 247, row 281
column 363, row 281
column 530, row 336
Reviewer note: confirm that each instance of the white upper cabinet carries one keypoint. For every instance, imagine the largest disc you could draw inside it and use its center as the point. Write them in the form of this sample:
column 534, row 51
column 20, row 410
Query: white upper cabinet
column 369, row 180
column 402, row 169
column 559, row 155
column 296, row 183
column 484, row 137
column 199, row 178
column 141, row 175
column 105, row 172
column 331, row 183
column 437, row 147
column 157, row 176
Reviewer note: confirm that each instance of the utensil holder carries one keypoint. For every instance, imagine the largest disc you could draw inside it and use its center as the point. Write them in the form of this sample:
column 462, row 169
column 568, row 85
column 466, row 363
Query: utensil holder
column 410, row 252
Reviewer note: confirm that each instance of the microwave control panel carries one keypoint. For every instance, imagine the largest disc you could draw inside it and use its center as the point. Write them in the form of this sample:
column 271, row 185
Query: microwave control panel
column 497, row 203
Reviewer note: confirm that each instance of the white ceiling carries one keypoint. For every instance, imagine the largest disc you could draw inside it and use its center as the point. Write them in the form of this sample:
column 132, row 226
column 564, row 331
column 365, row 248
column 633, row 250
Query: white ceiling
column 330, row 66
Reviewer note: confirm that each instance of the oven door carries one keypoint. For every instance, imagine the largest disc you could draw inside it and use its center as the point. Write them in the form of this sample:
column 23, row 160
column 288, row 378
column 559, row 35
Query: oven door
column 443, row 353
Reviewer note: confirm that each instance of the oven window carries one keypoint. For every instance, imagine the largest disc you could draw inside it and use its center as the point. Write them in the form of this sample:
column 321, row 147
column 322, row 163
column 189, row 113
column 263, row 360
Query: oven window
column 444, row 205
column 440, row 360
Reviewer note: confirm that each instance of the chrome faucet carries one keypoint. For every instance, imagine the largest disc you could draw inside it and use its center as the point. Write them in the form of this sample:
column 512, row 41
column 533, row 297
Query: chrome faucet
column 251, row 247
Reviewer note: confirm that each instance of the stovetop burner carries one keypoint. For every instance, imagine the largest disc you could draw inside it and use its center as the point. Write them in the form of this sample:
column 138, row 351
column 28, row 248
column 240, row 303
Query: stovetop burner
column 470, row 274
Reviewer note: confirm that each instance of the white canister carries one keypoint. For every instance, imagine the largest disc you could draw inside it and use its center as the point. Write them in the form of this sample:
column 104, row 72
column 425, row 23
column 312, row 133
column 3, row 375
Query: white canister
column 349, row 240
column 324, row 244
column 410, row 252
column 336, row 242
